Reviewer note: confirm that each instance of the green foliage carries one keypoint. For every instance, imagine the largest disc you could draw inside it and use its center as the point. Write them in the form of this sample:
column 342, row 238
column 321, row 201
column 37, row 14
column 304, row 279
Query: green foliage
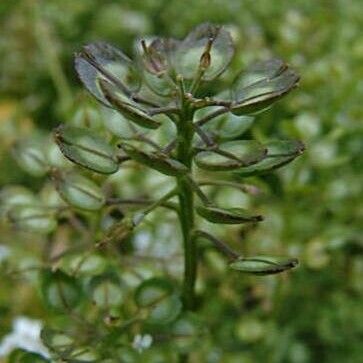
column 90, row 219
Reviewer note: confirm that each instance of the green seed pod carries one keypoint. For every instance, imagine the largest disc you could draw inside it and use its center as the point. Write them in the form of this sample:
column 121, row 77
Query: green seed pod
column 261, row 86
column 106, row 290
column 231, row 155
column 103, row 61
column 85, row 148
column 279, row 153
column 78, row 191
column 57, row 341
column 14, row 195
column 33, row 218
column 227, row 215
column 207, row 48
column 159, row 298
column 157, row 161
column 263, row 265
column 31, row 157
column 126, row 107
column 60, row 291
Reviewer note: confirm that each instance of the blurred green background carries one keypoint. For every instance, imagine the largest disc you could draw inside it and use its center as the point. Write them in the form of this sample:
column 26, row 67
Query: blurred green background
column 313, row 207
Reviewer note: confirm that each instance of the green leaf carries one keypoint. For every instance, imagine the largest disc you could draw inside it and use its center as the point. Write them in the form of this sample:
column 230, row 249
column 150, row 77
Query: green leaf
column 231, row 155
column 60, row 291
column 155, row 160
column 227, row 215
column 31, row 156
column 192, row 53
column 99, row 61
column 279, row 153
column 263, row 265
column 79, row 191
column 84, row 147
column 159, row 298
column 24, row 356
column 261, row 86
column 33, row 218
column 127, row 107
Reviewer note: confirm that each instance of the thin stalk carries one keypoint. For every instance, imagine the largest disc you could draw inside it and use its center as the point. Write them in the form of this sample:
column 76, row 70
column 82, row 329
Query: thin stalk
column 186, row 210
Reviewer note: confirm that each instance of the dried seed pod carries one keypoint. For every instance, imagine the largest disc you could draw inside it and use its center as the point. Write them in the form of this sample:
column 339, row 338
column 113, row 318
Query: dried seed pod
column 227, row 215
column 84, row 147
column 263, row 265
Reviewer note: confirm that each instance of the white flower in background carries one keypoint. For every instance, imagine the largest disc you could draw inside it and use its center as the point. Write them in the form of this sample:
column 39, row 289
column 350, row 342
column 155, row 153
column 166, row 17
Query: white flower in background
column 25, row 335
column 142, row 342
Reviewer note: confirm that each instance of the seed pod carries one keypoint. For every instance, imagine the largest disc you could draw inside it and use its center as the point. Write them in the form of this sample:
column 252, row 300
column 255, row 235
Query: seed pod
column 261, row 86
column 60, row 291
column 79, row 191
column 118, row 232
column 231, row 155
column 31, row 157
column 125, row 106
column 159, row 298
column 227, row 126
column 157, row 161
column 85, row 148
column 103, row 61
column 15, row 195
column 227, row 215
column 263, row 265
column 208, row 48
column 57, row 341
column 279, row 153
column 106, row 290
column 33, row 218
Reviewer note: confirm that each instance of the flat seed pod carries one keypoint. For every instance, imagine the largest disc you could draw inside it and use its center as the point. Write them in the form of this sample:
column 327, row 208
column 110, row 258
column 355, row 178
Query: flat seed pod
column 157, row 295
column 79, row 191
column 227, row 215
column 33, row 218
column 13, row 195
column 102, row 61
column 106, row 290
column 279, row 153
column 161, row 163
column 229, row 126
column 60, row 291
column 126, row 107
column 84, row 147
column 207, row 46
column 57, row 342
column 263, row 265
column 31, row 157
column 260, row 88
column 231, row 155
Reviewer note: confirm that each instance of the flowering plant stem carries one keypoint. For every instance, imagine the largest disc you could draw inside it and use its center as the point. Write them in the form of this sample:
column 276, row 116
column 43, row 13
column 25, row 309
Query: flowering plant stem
column 185, row 131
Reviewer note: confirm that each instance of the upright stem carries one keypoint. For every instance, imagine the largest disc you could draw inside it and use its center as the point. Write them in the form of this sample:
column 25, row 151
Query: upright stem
column 186, row 213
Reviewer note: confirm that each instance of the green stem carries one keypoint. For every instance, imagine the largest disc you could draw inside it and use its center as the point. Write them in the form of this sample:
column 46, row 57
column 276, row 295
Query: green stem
column 186, row 212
